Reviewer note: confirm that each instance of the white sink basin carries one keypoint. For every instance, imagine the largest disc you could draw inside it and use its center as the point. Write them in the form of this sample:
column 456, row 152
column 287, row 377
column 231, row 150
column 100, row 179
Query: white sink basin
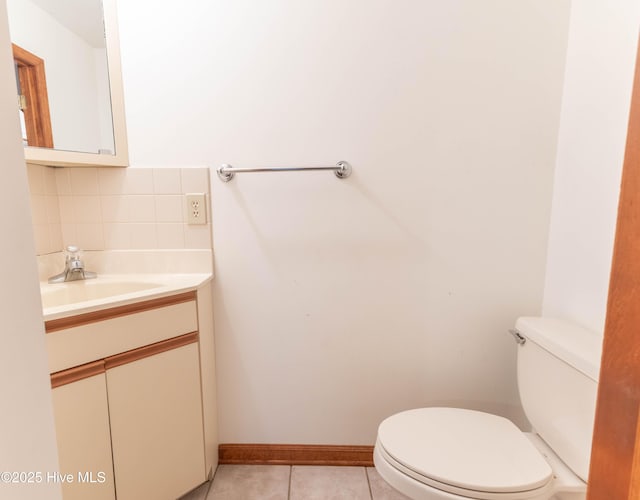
column 72, row 292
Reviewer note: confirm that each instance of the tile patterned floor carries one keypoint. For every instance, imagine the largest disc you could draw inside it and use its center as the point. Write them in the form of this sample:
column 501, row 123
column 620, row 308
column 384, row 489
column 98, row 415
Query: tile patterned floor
column 298, row 482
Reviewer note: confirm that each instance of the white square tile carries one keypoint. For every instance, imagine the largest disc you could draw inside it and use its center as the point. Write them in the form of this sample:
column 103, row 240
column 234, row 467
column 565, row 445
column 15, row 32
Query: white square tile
column 87, row 209
column 115, row 208
column 139, row 181
column 84, row 181
column 39, row 209
column 169, row 208
column 142, row 208
column 53, row 209
column 170, row 235
column 50, row 185
column 69, row 235
column 90, row 236
column 67, row 210
column 143, row 236
column 167, row 181
column 35, row 176
column 55, row 235
column 112, row 180
column 63, row 184
column 117, row 236
column 195, row 180
column 197, row 237
column 41, row 236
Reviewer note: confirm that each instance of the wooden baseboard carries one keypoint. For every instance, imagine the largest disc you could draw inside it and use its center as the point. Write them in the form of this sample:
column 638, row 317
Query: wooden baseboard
column 295, row 454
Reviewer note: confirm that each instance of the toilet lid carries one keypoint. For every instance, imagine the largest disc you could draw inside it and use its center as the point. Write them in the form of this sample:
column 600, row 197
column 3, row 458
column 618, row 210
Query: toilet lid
column 465, row 449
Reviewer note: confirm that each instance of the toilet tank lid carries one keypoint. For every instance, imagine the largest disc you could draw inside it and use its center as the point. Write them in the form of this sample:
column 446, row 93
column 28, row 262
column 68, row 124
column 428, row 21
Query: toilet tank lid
column 575, row 345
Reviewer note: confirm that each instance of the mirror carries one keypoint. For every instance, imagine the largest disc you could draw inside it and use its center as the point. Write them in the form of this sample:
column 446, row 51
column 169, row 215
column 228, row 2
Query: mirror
column 67, row 62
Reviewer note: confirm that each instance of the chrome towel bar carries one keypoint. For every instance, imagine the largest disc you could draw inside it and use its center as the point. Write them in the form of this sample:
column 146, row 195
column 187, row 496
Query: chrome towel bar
column 342, row 169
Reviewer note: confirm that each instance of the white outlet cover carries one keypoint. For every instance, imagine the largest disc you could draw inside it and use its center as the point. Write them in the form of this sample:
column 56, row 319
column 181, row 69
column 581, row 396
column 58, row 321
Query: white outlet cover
column 196, row 206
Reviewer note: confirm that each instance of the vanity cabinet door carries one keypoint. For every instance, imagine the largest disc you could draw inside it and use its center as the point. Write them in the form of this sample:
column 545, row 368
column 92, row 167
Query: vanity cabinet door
column 155, row 410
column 84, row 442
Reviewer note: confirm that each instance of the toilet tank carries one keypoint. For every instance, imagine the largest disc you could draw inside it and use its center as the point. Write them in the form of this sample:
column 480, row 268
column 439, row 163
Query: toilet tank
column 558, row 369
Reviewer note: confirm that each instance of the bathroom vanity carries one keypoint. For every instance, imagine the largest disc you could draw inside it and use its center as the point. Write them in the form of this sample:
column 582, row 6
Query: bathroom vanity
column 133, row 382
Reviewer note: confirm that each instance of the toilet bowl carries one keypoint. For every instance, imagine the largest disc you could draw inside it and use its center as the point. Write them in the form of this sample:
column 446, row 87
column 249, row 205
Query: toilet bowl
column 469, row 454
column 455, row 454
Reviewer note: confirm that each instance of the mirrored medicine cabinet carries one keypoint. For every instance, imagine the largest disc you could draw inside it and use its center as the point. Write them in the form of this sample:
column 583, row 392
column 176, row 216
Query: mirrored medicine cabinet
column 68, row 75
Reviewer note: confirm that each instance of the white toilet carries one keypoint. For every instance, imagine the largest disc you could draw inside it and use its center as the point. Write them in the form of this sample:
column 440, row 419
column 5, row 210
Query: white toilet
column 456, row 454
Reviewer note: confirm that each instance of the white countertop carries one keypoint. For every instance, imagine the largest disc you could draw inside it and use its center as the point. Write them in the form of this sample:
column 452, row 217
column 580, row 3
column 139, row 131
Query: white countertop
column 111, row 290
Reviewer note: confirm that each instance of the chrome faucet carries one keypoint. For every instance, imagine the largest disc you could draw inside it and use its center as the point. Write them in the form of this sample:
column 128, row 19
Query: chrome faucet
column 73, row 268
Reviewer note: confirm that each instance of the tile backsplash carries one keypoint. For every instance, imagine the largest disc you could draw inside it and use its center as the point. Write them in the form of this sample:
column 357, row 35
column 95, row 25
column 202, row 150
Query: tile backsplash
column 116, row 209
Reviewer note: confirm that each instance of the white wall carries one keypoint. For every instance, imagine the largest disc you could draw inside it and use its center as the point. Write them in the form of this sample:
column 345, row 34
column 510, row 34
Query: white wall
column 603, row 41
column 71, row 71
column 27, row 439
column 338, row 303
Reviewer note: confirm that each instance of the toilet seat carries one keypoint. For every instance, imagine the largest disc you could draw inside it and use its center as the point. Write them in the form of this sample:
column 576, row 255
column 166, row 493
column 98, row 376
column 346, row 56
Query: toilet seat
column 464, row 452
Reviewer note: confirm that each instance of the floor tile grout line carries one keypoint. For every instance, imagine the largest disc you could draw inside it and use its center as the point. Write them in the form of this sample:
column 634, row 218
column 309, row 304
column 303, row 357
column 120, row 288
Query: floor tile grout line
column 289, row 490
column 366, row 473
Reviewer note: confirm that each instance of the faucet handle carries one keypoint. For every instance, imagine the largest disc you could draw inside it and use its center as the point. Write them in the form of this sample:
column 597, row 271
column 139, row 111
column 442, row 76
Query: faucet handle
column 73, row 253
column 73, row 267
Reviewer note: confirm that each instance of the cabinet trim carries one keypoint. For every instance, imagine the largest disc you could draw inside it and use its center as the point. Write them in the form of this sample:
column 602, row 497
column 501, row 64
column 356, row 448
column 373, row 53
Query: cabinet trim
column 77, row 373
column 54, row 325
column 150, row 350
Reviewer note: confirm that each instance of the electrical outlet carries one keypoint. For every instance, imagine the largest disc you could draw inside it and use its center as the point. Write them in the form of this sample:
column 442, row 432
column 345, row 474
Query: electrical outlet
column 196, row 208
